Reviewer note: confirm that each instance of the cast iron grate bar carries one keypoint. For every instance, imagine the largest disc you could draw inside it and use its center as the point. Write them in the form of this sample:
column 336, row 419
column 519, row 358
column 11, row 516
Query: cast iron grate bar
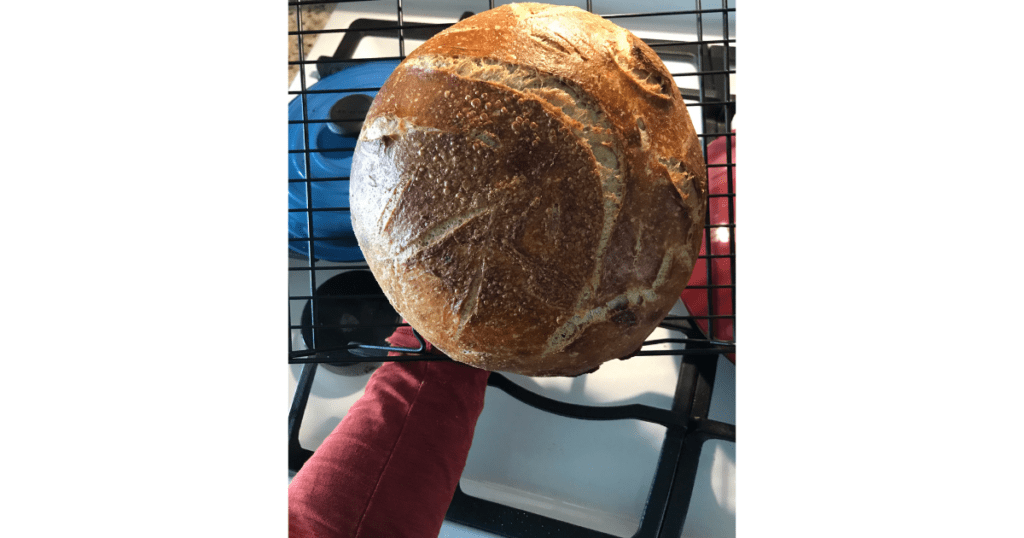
column 297, row 455
column 645, row 413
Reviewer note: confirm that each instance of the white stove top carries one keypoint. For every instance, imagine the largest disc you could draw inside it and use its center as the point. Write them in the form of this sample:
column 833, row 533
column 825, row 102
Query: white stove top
column 595, row 474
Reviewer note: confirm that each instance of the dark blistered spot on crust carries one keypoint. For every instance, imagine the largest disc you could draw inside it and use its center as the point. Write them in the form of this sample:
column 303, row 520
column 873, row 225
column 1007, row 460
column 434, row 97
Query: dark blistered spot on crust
column 624, row 318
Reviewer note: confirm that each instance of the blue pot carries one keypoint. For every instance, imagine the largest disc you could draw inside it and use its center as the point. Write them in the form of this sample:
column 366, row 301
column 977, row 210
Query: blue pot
column 330, row 161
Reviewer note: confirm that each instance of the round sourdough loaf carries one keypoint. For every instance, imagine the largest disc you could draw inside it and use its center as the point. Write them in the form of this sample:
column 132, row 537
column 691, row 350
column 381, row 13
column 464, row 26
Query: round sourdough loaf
column 529, row 191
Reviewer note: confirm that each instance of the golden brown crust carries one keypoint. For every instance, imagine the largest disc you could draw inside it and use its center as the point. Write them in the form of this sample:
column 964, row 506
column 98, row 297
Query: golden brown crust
column 529, row 191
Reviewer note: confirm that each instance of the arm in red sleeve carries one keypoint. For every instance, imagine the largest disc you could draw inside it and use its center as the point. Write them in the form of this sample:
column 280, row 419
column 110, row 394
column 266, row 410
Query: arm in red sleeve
column 391, row 467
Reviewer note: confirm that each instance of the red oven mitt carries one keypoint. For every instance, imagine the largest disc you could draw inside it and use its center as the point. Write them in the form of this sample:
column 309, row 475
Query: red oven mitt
column 721, row 151
column 391, row 466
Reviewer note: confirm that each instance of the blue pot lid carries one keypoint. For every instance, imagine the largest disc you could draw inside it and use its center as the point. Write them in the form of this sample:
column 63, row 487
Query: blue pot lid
column 330, row 161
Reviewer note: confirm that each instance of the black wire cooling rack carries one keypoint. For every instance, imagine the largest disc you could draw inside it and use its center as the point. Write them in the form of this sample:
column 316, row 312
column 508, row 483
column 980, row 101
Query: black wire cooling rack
column 345, row 317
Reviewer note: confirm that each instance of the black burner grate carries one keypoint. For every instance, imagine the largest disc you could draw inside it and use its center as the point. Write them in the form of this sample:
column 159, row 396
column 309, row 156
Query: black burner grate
column 344, row 323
